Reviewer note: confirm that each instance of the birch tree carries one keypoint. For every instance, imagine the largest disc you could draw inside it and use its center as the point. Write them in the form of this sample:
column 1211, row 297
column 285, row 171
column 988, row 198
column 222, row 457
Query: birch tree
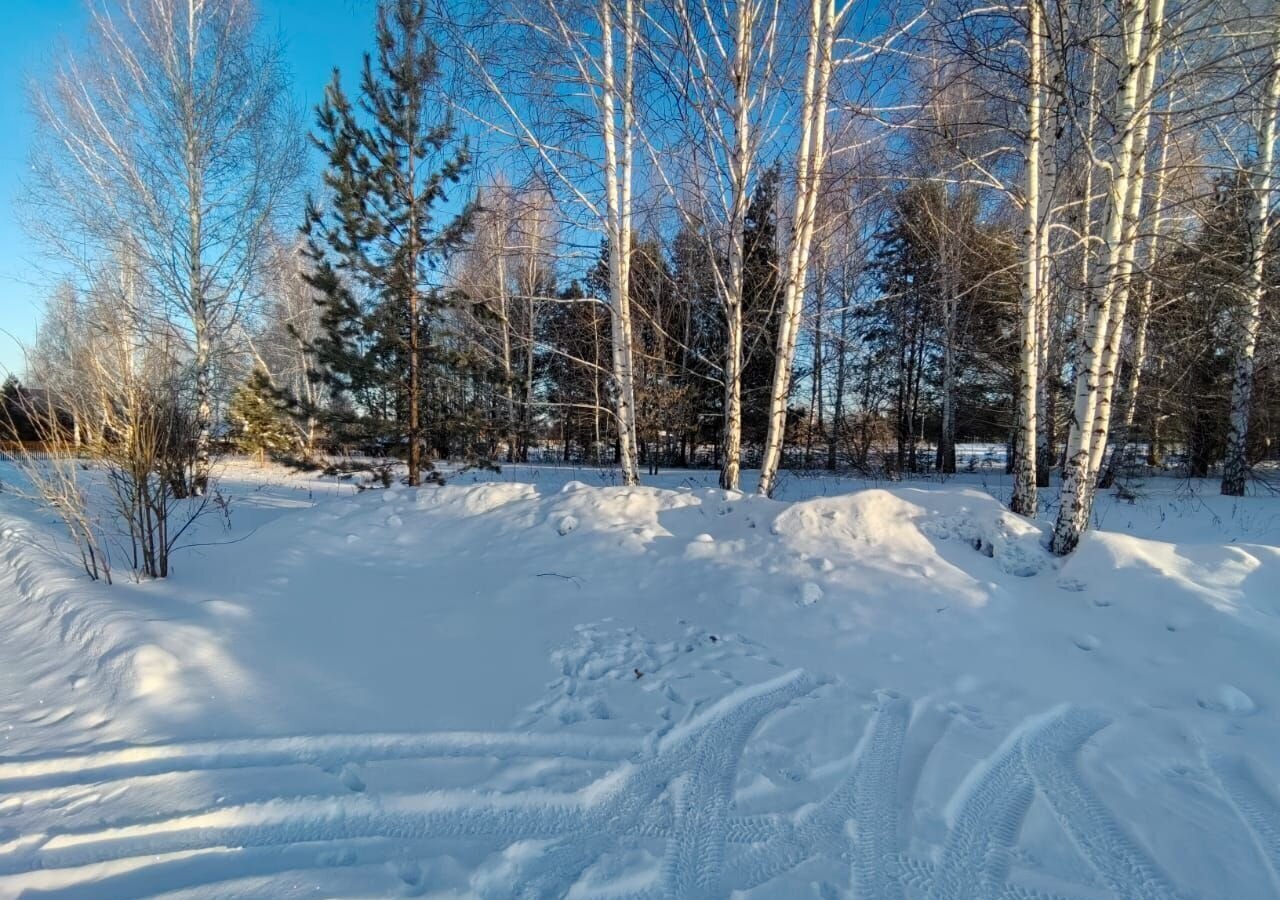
column 1235, row 469
column 1138, row 340
column 811, row 155
column 1140, row 39
column 1024, row 499
column 712, row 62
column 556, row 83
column 171, row 126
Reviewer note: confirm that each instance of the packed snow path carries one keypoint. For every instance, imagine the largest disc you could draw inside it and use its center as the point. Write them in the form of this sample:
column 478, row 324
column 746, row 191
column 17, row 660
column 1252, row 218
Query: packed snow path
column 677, row 789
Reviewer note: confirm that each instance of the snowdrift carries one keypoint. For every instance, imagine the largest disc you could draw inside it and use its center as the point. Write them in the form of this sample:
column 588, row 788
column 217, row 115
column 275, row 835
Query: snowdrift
column 529, row 683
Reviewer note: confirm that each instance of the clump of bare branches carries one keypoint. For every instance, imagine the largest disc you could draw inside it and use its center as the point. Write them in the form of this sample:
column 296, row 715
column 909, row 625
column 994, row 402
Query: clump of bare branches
column 115, row 408
column 146, row 465
column 41, row 440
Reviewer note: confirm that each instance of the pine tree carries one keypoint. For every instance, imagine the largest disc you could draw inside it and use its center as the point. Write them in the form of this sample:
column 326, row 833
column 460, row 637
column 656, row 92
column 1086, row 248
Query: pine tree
column 258, row 424
column 379, row 241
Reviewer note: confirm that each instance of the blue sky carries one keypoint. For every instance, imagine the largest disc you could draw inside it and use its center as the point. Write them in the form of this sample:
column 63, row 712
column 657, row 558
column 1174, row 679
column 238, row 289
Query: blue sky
column 317, row 34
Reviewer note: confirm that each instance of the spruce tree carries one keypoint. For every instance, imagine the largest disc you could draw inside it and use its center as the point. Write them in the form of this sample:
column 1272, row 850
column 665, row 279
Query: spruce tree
column 258, row 424
column 377, row 243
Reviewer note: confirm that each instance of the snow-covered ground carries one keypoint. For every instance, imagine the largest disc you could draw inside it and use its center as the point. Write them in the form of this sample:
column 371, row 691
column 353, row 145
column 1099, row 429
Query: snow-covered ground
column 540, row 684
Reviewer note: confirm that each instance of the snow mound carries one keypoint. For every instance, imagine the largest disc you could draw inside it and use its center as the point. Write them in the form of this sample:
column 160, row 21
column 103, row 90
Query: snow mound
column 904, row 533
column 474, row 499
column 873, row 518
column 1013, row 542
column 632, row 513
column 1228, row 698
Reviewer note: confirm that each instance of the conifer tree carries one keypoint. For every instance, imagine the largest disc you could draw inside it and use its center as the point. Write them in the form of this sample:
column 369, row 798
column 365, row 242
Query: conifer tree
column 377, row 243
column 259, row 427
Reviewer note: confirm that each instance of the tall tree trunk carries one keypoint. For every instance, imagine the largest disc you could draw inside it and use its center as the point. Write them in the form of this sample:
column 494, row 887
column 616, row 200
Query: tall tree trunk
column 1235, row 466
column 415, row 324
column 618, row 160
column 508, row 369
column 526, row 407
column 731, row 463
column 1024, row 499
column 946, row 457
column 1084, row 291
column 740, row 162
column 415, row 394
column 198, row 301
column 816, row 400
column 1138, row 349
column 1078, row 477
column 1050, row 132
column 1108, row 371
column 837, row 406
column 810, row 163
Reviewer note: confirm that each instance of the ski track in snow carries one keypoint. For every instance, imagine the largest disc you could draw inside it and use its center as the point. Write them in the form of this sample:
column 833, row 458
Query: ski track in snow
column 675, row 791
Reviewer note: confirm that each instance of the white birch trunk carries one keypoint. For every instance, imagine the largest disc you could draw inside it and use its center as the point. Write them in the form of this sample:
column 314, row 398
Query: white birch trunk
column 1235, row 467
column 741, row 159
column 1138, row 349
column 1077, row 476
column 1129, row 244
column 810, row 162
column 1024, row 499
column 618, row 202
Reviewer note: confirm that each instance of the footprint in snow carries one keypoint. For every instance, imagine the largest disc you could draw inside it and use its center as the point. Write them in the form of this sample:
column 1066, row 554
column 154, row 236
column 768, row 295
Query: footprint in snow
column 409, row 872
column 1086, row 642
column 1227, row 698
column 1177, row 623
column 351, row 779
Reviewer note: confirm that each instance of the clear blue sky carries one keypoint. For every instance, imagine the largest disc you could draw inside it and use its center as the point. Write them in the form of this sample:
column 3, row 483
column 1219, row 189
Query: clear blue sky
column 317, row 34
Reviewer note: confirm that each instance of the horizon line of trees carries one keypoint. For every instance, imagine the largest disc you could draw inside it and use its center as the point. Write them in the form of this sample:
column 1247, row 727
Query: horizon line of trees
column 670, row 232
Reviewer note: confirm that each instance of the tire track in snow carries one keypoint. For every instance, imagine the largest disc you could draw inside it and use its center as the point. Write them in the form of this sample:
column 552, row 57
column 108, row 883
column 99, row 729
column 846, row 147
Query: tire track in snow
column 677, row 788
column 694, row 863
column 318, row 750
column 867, row 798
column 1256, row 807
column 987, row 817
column 619, row 803
column 876, row 804
column 1050, row 747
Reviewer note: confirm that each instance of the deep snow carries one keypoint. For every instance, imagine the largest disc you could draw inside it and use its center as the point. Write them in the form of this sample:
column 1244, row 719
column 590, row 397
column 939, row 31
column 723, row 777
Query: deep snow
column 540, row 684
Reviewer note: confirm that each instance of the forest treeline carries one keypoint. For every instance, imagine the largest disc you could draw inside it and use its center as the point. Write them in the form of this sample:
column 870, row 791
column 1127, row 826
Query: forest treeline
column 649, row 233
